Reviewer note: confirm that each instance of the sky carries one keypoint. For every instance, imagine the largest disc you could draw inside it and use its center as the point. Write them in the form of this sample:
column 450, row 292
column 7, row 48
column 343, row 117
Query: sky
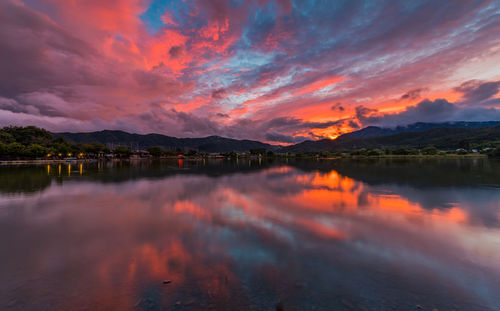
column 279, row 71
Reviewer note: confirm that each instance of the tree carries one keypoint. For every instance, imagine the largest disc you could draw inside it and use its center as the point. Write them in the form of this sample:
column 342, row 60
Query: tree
column 59, row 140
column 430, row 150
column 28, row 135
column 400, row 151
column 464, row 144
column 62, row 149
column 3, row 149
column 93, row 148
column 169, row 152
column 258, row 151
column 16, row 149
column 156, row 151
column 495, row 153
column 6, row 137
column 31, row 141
column 122, row 151
column 375, row 152
column 98, row 147
column 355, row 152
column 51, row 152
column 35, row 151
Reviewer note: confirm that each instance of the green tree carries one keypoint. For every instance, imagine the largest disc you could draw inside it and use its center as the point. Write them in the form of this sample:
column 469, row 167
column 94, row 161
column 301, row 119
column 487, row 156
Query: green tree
column 3, row 149
column 51, row 151
column 29, row 135
column 400, row 151
column 35, row 151
column 59, row 140
column 170, row 152
column 375, row 152
column 122, row 151
column 16, row 149
column 94, row 148
column 156, row 151
column 464, row 144
column 495, row 152
column 62, row 149
column 430, row 150
column 6, row 138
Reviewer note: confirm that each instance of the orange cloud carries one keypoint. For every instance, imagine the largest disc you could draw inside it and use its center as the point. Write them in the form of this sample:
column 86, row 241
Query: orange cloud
column 318, row 85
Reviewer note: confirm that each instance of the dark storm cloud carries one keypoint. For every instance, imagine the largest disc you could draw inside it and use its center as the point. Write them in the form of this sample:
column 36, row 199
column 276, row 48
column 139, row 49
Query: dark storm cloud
column 337, row 106
column 222, row 115
column 353, row 124
column 295, row 123
column 413, row 94
column 477, row 92
column 25, row 38
column 175, row 51
column 439, row 110
column 193, row 124
column 218, row 93
column 278, row 137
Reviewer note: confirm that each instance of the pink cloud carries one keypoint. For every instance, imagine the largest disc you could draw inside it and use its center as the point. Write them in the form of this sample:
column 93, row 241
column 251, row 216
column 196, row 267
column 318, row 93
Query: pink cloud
column 97, row 63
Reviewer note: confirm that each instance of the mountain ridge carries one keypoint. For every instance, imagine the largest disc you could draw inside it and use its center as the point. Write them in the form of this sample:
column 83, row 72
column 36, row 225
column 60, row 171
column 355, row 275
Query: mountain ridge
column 374, row 131
column 440, row 137
column 415, row 135
column 213, row 143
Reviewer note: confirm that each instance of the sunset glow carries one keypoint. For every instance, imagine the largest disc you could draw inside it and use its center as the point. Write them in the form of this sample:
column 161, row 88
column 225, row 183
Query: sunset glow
column 277, row 71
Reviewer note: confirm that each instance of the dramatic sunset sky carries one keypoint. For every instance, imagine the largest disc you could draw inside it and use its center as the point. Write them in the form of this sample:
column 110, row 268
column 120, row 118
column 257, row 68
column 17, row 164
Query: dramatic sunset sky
column 277, row 71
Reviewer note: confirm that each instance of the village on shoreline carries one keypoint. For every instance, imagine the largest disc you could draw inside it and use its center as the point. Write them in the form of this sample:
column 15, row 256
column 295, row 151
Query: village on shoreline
column 35, row 145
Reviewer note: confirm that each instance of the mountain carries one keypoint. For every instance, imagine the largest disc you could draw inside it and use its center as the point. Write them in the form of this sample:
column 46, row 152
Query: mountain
column 446, row 135
column 374, row 131
column 138, row 141
column 441, row 137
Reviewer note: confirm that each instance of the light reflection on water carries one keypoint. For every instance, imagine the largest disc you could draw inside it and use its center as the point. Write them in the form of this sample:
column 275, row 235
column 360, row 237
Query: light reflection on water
column 324, row 235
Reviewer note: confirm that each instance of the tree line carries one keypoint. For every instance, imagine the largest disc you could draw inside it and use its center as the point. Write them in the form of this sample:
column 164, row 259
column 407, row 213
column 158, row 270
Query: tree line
column 31, row 142
column 17, row 142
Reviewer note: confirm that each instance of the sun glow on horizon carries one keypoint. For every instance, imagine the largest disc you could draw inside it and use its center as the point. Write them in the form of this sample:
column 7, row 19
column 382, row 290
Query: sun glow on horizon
column 252, row 70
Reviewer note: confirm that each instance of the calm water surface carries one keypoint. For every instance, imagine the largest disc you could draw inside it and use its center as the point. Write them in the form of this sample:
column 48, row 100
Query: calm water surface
column 309, row 235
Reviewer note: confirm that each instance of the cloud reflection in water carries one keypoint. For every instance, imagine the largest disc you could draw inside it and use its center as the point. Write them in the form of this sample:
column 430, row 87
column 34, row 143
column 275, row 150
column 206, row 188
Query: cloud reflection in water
column 302, row 235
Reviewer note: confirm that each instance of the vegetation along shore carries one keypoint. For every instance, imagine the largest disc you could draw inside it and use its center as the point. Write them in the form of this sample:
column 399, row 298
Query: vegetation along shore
column 33, row 144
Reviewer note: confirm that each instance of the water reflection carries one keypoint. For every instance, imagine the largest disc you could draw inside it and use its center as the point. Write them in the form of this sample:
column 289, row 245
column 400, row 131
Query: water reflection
column 321, row 235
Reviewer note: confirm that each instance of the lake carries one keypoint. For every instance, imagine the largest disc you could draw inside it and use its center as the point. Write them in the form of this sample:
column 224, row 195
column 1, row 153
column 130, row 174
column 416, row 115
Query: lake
column 251, row 235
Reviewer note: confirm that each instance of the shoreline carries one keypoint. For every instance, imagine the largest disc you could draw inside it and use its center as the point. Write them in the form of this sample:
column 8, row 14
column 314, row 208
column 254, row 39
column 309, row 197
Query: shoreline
column 420, row 156
column 4, row 162
column 53, row 161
